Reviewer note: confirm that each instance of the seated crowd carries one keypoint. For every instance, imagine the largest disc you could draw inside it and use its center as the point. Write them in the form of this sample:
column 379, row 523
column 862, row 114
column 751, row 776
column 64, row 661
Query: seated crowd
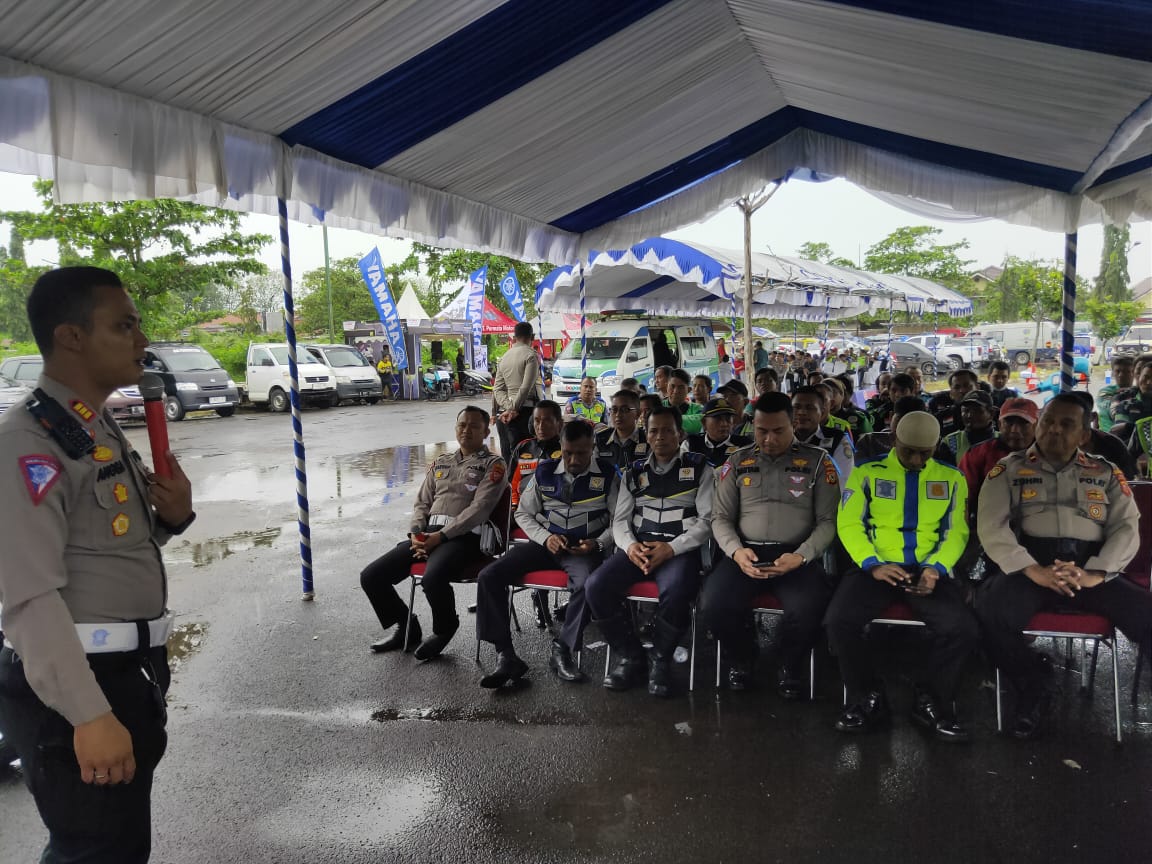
column 972, row 510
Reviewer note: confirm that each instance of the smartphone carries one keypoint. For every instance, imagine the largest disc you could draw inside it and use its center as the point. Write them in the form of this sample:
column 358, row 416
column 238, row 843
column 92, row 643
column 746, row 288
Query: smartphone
column 763, row 565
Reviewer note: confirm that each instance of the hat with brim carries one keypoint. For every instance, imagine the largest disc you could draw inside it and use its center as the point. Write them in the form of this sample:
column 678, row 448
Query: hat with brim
column 735, row 386
column 1025, row 409
column 718, row 408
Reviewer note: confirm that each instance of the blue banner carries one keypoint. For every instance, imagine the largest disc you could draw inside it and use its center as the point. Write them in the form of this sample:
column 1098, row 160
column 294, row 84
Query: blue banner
column 510, row 288
column 372, row 269
column 476, row 306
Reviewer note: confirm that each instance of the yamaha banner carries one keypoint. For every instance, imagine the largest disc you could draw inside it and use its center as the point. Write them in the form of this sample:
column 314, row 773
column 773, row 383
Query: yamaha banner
column 510, row 288
column 476, row 305
column 372, row 269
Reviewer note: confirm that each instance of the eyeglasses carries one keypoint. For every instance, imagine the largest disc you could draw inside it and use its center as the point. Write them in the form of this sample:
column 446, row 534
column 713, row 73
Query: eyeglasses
column 624, row 409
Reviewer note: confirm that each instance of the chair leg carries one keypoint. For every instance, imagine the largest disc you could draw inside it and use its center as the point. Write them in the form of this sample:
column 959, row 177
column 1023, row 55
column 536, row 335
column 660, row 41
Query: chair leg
column 717, row 664
column 1095, row 656
column 1116, row 685
column 999, row 706
column 607, row 658
column 692, row 654
column 812, row 675
column 411, row 603
column 1140, row 650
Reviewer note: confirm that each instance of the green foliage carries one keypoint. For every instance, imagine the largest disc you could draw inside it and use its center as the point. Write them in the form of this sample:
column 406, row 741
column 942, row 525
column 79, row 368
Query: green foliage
column 350, row 298
column 913, row 251
column 446, row 269
column 231, row 349
column 1112, row 283
column 1111, row 317
column 1027, row 290
column 822, row 253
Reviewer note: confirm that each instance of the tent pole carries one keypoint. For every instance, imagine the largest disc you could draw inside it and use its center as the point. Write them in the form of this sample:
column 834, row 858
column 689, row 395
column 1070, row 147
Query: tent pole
column 297, row 426
column 1068, row 322
column 746, row 209
column 583, row 329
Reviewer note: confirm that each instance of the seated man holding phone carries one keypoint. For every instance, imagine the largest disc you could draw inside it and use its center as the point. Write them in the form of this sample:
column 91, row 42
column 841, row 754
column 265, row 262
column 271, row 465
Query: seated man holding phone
column 902, row 521
column 773, row 515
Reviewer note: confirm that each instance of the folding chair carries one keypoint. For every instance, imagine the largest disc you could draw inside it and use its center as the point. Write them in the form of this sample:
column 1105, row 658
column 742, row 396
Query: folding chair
column 768, row 604
column 1140, row 569
column 538, row 580
column 898, row 614
column 500, row 520
column 649, row 592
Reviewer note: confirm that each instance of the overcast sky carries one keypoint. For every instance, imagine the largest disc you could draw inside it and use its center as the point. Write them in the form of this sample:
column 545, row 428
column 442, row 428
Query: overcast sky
column 838, row 213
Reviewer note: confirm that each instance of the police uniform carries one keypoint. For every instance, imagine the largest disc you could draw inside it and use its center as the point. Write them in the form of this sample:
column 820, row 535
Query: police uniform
column 668, row 503
column 554, row 502
column 621, row 453
column 525, row 457
column 837, row 443
column 772, row 505
column 914, row 519
column 715, row 453
column 1032, row 512
column 457, row 497
column 83, row 590
column 593, row 413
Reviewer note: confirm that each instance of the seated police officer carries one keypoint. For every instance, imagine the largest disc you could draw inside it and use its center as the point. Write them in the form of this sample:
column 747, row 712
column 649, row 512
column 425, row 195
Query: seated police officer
column 457, row 497
column 1061, row 526
column 661, row 522
column 623, row 442
column 716, row 443
column 902, row 521
column 773, row 516
column 566, row 511
column 810, row 410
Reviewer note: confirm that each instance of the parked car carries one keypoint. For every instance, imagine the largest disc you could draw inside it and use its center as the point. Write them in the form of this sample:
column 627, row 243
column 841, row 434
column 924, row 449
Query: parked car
column 193, row 380
column 11, row 392
column 269, row 381
column 126, row 404
column 958, row 352
column 356, row 377
column 904, row 354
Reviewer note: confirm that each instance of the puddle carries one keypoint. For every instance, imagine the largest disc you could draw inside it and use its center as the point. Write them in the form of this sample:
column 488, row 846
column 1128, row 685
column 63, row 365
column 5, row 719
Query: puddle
column 206, row 551
column 186, row 640
column 480, row 715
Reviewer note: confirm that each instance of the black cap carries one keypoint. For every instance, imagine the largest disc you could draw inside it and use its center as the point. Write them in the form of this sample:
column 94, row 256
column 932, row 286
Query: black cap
column 735, row 386
column 978, row 397
column 717, row 407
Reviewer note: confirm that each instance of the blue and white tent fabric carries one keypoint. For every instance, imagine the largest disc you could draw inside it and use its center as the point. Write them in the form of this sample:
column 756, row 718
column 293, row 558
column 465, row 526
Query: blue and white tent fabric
column 595, row 123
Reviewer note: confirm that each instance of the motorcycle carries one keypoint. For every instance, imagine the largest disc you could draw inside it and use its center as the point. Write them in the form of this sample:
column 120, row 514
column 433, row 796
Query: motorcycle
column 437, row 384
column 475, row 382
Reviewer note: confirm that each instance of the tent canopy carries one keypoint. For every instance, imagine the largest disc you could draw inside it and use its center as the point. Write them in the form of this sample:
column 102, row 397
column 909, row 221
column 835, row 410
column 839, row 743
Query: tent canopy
column 544, row 128
column 669, row 277
column 456, row 309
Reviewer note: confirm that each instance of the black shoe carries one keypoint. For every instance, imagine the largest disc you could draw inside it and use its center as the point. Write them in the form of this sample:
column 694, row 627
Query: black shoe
column 870, row 713
column 660, row 675
column 395, row 642
column 628, row 671
column 562, row 664
column 472, row 608
column 509, row 668
column 559, row 612
column 943, row 725
column 435, row 644
column 791, row 686
column 740, row 675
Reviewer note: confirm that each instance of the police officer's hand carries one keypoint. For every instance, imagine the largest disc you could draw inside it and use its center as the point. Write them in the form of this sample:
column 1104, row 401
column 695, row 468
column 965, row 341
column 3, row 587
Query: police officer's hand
column 556, row 544
column 638, row 554
column 104, row 751
column 1077, row 577
column 1050, row 578
column 785, row 563
column 432, row 541
column 927, row 583
column 893, row 574
column 658, row 553
column 746, row 560
column 171, row 496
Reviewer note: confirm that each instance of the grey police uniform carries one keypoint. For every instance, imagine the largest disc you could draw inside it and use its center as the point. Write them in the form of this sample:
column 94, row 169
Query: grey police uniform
column 457, row 498
column 1031, row 512
column 772, row 505
column 82, row 581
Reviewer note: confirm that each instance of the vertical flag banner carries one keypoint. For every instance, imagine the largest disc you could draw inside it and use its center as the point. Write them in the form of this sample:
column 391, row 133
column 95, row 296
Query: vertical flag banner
column 476, row 305
column 372, row 269
column 510, row 288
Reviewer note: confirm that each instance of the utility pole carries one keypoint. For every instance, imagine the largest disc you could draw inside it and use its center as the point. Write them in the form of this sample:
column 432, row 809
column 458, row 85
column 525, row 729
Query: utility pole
column 328, row 286
column 748, row 205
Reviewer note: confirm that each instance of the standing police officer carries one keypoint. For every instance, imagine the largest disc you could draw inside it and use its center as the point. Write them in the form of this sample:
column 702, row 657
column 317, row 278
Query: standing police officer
column 84, row 668
column 660, row 524
column 1061, row 526
column 516, row 389
column 774, row 515
column 457, row 497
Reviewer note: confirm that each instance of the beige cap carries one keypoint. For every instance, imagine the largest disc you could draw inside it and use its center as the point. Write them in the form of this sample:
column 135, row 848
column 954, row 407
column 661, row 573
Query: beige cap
column 918, row 429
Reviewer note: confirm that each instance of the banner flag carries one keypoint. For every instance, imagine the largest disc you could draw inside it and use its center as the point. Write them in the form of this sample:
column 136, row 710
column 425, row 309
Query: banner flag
column 510, row 288
column 372, row 269
column 476, row 282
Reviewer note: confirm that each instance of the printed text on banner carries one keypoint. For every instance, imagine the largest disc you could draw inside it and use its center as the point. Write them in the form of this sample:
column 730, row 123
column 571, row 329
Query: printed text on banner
column 372, row 269
column 476, row 304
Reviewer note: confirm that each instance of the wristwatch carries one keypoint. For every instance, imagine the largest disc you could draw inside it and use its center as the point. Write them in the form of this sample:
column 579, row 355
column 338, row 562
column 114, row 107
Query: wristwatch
column 177, row 529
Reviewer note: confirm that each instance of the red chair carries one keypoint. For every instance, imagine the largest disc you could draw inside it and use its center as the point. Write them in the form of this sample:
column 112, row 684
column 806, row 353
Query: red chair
column 500, row 520
column 649, row 592
column 1140, row 569
column 536, row 580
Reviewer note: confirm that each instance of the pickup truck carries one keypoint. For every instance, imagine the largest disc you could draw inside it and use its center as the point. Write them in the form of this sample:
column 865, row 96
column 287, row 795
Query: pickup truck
column 957, row 352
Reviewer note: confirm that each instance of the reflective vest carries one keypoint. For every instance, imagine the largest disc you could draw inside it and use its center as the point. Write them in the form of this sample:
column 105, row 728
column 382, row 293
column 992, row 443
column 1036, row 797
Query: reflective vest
column 593, row 414
column 526, row 457
column 664, row 501
column 621, row 455
column 581, row 511
column 716, row 454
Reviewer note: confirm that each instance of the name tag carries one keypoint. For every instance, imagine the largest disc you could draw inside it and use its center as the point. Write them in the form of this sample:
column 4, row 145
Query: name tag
column 687, row 473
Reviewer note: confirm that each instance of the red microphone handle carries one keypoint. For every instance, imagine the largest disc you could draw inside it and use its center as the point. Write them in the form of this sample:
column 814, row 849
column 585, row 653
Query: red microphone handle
column 157, row 435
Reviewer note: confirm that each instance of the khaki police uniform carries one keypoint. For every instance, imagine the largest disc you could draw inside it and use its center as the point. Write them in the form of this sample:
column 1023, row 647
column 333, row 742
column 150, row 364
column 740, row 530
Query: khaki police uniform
column 772, row 505
column 82, row 579
column 1032, row 513
column 517, row 387
column 456, row 498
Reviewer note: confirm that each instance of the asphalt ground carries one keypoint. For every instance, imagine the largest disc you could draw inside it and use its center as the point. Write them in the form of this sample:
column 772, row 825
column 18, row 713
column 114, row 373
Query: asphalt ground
column 290, row 742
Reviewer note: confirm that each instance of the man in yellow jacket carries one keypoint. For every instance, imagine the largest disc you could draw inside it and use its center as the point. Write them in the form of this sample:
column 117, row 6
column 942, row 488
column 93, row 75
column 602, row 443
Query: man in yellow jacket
column 902, row 520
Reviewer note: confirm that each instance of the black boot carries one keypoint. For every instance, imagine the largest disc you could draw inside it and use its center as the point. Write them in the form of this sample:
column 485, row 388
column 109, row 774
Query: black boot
column 436, row 643
column 869, row 713
column 396, row 642
column 562, row 663
column 629, row 667
column 665, row 638
column 509, row 668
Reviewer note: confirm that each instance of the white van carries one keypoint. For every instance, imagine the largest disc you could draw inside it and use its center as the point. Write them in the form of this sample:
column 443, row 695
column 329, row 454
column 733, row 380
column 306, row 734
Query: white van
column 633, row 348
column 355, row 376
column 269, row 382
column 1023, row 342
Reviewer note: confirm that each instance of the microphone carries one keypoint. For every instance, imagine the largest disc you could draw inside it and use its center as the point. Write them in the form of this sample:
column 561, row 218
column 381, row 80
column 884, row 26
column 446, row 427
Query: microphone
column 152, row 389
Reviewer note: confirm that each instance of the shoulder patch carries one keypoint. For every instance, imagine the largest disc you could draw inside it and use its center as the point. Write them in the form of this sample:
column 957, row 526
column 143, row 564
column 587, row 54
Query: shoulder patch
column 40, row 474
column 1124, row 487
column 725, row 470
column 996, row 471
column 498, row 469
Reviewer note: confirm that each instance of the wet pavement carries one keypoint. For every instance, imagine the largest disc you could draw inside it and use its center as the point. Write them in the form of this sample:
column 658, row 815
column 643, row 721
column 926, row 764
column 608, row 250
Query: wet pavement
column 290, row 742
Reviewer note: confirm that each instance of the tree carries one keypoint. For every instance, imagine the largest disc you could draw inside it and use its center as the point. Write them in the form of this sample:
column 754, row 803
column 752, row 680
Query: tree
column 175, row 258
column 1112, row 283
column 1110, row 318
column 913, row 251
column 350, row 298
column 822, row 253
column 446, row 269
column 1027, row 290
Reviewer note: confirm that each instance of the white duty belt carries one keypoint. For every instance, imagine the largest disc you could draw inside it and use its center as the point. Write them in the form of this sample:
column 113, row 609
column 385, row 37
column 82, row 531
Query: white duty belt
column 443, row 521
column 113, row 638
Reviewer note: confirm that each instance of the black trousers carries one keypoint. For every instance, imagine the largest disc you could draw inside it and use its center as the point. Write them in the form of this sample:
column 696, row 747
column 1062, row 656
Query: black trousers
column 513, row 433
column 677, row 579
column 446, row 563
column 492, row 621
column 860, row 598
column 1007, row 602
column 726, row 608
column 89, row 823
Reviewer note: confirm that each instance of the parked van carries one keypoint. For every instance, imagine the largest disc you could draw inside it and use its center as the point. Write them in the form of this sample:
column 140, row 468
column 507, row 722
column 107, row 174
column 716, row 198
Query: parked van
column 356, row 378
column 1023, row 342
column 193, row 380
column 633, row 348
column 269, row 382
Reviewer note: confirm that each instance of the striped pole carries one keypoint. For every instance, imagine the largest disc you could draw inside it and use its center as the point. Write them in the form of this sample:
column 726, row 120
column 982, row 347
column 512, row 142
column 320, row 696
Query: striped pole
column 297, row 427
column 1068, row 322
column 583, row 330
column 827, row 315
column 891, row 324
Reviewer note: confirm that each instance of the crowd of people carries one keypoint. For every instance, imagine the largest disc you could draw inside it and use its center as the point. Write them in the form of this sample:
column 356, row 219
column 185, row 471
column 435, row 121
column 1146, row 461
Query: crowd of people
column 972, row 507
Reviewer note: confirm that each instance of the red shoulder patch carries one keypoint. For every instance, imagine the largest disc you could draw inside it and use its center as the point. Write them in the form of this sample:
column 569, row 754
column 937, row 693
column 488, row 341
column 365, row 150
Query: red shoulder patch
column 725, row 470
column 1123, row 481
column 498, row 471
column 40, row 474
